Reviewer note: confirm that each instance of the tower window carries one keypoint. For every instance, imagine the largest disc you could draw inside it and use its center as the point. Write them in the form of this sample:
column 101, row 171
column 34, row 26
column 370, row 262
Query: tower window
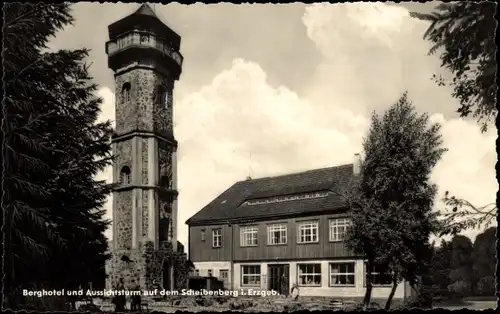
column 164, row 182
column 161, row 96
column 168, row 97
column 125, row 177
column 126, row 92
column 164, row 229
column 144, row 39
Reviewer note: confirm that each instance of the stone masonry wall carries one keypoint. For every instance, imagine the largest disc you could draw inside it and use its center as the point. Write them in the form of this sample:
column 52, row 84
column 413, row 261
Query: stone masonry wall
column 147, row 266
column 163, row 113
column 147, row 80
column 145, row 213
column 153, row 114
column 123, row 219
column 131, row 269
column 144, row 166
column 123, row 155
column 126, row 111
column 165, row 161
column 144, row 111
column 155, row 263
column 144, row 265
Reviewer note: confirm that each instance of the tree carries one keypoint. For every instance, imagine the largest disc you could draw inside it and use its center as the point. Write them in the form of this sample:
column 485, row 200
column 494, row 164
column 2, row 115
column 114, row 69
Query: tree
column 440, row 268
column 484, row 264
column 461, row 275
column 391, row 204
column 182, row 268
column 53, row 148
column 78, row 213
column 28, row 230
column 464, row 34
column 464, row 215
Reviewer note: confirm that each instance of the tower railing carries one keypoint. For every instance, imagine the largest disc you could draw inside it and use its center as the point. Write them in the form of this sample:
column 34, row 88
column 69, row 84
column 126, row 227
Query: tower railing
column 144, row 39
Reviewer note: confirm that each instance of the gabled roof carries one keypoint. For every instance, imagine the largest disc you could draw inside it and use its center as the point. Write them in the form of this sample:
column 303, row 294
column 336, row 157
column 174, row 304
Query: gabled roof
column 231, row 206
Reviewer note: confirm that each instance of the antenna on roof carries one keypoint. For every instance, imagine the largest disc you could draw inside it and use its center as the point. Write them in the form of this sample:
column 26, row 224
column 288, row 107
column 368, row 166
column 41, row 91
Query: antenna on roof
column 249, row 166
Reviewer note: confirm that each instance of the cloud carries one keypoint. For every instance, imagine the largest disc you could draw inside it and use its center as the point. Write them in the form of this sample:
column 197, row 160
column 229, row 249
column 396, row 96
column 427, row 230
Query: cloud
column 240, row 125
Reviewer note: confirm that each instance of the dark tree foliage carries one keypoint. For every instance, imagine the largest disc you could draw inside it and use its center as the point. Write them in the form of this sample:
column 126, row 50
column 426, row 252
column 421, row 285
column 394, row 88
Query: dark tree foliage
column 460, row 268
column 485, row 261
column 461, row 274
column 440, row 268
column 464, row 33
column 54, row 225
column 391, row 203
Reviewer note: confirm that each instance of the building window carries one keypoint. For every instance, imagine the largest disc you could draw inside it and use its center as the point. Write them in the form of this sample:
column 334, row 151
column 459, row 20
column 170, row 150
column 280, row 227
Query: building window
column 249, row 236
column 202, row 235
column 309, row 274
column 209, row 273
column 276, row 234
column 126, row 92
column 308, row 232
column 217, row 237
column 125, row 177
column 250, row 275
column 338, row 228
column 379, row 277
column 342, row 274
column 224, row 274
column 196, row 272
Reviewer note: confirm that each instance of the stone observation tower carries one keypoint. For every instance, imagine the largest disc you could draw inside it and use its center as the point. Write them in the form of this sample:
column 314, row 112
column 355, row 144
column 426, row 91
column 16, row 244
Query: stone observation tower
column 144, row 55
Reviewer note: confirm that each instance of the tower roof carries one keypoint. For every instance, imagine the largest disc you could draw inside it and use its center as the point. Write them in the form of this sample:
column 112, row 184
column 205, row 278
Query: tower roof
column 145, row 9
column 145, row 16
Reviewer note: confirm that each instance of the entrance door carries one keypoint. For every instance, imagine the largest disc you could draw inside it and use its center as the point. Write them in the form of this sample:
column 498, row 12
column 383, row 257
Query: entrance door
column 224, row 277
column 278, row 276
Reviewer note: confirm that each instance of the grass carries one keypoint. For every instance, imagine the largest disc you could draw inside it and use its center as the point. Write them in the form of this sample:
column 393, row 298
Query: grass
column 474, row 303
column 481, row 298
column 276, row 304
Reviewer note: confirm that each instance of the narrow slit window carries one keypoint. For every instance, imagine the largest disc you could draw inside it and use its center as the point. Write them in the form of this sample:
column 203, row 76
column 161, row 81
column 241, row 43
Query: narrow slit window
column 126, row 92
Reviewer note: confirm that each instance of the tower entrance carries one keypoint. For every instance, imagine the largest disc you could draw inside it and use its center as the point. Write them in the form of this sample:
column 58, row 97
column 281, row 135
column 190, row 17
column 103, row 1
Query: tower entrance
column 167, row 280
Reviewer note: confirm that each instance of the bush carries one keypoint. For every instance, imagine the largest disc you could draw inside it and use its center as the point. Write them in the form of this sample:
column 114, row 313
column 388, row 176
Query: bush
column 201, row 301
column 460, row 288
column 240, row 305
column 46, row 304
column 423, row 299
column 486, row 286
column 89, row 308
column 292, row 307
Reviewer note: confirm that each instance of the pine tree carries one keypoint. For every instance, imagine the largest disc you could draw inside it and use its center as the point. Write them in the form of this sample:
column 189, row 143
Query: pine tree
column 392, row 216
column 53, row 149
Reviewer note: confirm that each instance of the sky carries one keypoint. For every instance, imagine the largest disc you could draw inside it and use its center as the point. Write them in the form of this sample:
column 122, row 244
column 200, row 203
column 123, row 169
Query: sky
column 273, row 89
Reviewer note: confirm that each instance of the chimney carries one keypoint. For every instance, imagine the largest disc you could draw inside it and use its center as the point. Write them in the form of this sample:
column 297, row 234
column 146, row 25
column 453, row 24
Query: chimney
column 356, row 167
